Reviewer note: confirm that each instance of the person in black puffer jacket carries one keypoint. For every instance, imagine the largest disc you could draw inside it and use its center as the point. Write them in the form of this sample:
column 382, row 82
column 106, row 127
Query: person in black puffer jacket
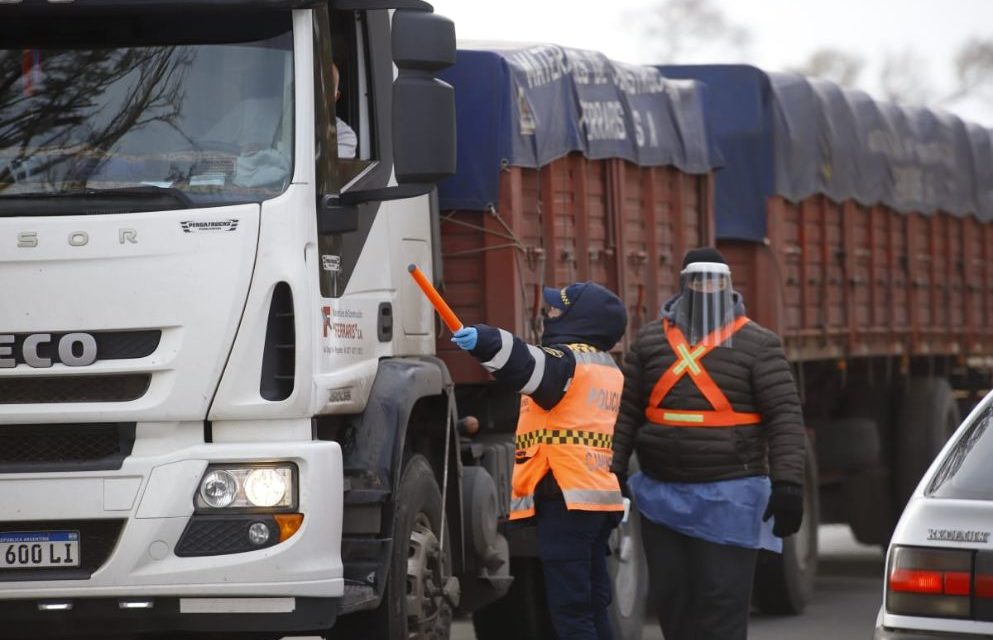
column 711, row 408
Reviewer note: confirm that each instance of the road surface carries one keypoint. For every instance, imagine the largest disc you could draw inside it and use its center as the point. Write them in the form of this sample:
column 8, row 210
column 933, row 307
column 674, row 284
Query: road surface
column 849, row 591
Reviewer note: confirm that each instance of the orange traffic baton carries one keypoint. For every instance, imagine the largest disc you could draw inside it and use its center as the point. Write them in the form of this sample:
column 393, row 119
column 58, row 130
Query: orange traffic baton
column 447, row 315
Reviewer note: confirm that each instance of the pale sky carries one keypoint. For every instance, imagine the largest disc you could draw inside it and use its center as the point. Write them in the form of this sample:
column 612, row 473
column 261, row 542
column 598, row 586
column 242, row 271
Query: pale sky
column 783, row 32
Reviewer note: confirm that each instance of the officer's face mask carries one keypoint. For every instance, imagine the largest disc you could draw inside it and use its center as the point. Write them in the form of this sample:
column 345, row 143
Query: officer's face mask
column 706, row 306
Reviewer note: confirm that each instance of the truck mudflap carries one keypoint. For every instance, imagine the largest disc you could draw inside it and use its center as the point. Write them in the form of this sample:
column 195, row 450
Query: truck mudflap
column 101, row 617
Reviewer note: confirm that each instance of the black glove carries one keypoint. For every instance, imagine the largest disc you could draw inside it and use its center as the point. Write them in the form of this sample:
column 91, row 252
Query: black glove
column 622, row 478
column 786, row 503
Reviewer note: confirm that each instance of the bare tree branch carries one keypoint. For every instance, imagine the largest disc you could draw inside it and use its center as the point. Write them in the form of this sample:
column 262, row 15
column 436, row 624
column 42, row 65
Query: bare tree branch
column 832, row 64
column 679, row 30
column 63, row 119
column 973, row 70
column 903, row 77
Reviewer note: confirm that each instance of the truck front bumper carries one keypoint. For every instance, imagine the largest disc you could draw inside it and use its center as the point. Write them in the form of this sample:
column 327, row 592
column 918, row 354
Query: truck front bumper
column 103, row 617
column 139, row 581
column 883, row 633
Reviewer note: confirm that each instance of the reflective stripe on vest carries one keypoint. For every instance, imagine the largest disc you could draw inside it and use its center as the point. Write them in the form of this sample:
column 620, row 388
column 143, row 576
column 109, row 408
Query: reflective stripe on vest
column 564, row 436
column 689, row 364
column 572, row 440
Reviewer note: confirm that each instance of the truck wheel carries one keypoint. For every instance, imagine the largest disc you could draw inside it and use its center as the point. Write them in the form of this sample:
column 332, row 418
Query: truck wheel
column 927, row 415
column 847, row 444
column 784, row 582
column 522, row 614
column 877, row 404
column 417, row 603
column 629, row 574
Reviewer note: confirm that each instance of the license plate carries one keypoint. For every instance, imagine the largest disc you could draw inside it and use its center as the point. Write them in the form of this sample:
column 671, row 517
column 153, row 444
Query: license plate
column 39, row 549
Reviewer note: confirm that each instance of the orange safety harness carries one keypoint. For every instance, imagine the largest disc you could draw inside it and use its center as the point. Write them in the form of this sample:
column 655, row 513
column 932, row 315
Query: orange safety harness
column 688, row 363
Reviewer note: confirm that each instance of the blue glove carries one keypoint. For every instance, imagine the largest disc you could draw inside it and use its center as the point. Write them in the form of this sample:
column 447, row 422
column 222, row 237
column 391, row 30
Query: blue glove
column 466, row 338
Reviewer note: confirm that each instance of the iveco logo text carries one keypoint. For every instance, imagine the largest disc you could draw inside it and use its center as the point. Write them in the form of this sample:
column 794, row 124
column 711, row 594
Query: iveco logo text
column 31, row 239
column 74, row 350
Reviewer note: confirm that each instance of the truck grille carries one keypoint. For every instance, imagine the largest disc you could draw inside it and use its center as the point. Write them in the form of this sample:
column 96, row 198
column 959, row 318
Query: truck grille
column 64, row 389
column 97, row 539
column 33, row 448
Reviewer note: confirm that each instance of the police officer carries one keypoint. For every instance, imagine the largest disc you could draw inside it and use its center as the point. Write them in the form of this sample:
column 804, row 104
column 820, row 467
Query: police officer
column 570, row 391
column 711, row 409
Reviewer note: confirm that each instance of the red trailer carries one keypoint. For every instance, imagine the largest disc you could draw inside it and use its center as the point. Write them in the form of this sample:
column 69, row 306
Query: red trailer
column 571, row 168
column 572, row 220
column 860, row 232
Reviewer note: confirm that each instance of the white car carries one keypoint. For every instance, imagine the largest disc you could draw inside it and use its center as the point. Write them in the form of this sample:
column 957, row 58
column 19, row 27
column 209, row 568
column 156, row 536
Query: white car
column 939, row 569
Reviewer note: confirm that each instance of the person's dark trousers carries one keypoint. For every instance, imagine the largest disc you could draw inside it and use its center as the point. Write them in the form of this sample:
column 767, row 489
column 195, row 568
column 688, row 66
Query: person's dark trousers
column 702, row 590
column 572, row 546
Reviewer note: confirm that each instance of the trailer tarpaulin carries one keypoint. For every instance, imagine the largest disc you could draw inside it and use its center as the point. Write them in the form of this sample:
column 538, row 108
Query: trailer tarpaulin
column 736, row 107
column 526, row 106
column 786, row 135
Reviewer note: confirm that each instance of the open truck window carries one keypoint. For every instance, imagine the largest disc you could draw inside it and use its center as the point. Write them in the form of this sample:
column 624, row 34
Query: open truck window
column 99, row 116
column 343, row 100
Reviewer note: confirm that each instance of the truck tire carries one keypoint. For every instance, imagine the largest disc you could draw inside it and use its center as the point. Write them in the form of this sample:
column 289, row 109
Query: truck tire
column 877, row 403
column 417, row 565
column 522, row 614
column 628, row 574
column 927, row 415
column 784, row 582
column 847, row 444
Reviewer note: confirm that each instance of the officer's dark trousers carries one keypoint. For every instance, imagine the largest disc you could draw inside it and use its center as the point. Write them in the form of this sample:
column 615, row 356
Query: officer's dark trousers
column 702, row 590
column 572, row 546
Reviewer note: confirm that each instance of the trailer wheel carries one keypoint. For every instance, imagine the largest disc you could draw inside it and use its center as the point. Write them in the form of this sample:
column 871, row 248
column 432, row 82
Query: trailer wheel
column 628, row 573
column 522, row 614
column 418, row 601
column 847, row 444
column 877, row 404
column 784, row 582
column 928, row 414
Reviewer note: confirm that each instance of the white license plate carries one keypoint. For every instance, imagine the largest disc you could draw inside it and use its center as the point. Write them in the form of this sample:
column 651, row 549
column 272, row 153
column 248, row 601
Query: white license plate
column 39, row 549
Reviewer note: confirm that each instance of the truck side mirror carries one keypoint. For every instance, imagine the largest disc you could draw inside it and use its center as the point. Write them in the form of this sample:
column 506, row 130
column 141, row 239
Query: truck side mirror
column 423, row 105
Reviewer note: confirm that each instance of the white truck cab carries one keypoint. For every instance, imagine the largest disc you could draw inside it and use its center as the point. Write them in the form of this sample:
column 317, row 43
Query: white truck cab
column 216, row 378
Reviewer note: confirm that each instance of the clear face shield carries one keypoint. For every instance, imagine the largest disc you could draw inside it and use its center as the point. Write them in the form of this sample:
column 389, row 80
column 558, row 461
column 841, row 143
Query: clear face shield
column 706, row 305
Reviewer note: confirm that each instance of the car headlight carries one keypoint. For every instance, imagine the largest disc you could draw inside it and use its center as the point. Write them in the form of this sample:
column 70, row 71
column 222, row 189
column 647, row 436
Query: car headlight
column 270, row 487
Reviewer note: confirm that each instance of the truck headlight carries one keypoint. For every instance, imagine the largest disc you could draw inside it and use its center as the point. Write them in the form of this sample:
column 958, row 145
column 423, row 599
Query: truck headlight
column 266, row 487
column 243, row 487
column 218, row 489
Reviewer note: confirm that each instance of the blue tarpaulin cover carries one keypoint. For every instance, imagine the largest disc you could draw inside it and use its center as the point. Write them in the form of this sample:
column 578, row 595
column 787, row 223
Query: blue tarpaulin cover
column 521, row 105
column 783, row 134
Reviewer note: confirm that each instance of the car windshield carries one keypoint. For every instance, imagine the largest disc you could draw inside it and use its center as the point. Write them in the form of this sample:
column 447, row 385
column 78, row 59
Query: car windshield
column 966, row 472
column 91, row 127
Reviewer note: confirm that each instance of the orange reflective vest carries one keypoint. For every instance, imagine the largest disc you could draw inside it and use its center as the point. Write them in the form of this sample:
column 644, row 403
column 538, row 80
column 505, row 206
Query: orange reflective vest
column 688, row 363
column 572, row 440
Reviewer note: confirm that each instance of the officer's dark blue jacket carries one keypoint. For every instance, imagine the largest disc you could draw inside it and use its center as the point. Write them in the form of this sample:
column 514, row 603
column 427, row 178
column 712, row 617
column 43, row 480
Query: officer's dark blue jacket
column 594, row 316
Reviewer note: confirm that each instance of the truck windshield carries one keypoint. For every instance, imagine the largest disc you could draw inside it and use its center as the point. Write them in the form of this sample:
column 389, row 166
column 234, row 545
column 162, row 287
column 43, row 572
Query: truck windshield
column 966, row 473
column 88, row 126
